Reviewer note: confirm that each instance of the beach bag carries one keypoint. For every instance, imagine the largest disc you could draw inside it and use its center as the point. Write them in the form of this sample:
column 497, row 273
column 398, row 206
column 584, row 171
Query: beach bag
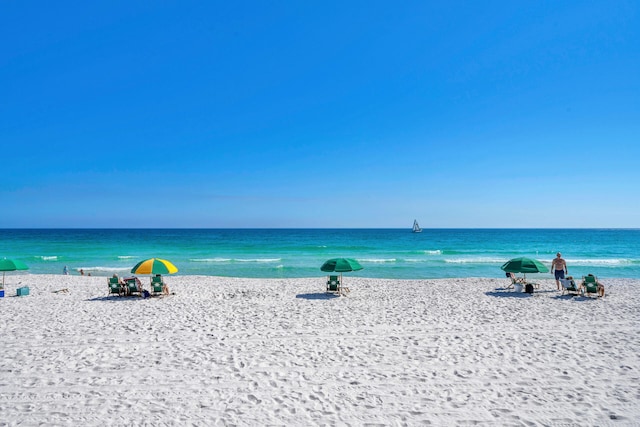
column 528, row 288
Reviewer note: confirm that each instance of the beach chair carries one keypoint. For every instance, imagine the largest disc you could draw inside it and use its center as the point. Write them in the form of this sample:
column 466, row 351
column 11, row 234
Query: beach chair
column 590, row 285
column 157, row 283
column 133, row 286
column 333, row 284
column 514, row 281
column 569, row 286
column 114, row 286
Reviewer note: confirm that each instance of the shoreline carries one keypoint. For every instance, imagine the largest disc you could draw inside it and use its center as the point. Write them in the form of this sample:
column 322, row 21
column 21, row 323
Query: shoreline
column 542, row 278
column 282, row 351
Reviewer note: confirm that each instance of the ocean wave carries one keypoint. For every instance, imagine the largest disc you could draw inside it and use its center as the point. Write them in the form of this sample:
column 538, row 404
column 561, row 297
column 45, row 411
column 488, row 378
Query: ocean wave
column 103, row 269
column 126, row 256
column 602, row 261
column 378, row 260
column 445, row 252
column 478, row 260
column 212, row 260
column 48, row 258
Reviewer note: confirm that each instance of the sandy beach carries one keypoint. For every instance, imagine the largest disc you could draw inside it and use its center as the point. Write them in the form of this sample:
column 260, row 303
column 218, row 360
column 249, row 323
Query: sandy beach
column 252, row 352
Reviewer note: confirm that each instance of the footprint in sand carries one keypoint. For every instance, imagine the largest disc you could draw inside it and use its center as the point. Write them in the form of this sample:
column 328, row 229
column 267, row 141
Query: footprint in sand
column 253, row 399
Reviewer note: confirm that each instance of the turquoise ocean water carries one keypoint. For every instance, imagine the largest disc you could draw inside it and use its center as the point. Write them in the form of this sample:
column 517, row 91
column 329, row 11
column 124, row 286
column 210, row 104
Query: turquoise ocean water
column 290, row 253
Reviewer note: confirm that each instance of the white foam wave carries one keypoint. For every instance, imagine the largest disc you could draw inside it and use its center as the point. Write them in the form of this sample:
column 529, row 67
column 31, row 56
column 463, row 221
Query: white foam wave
column 478, row 260
column 599, row 261
column 125, row 256
column 378, row 260
column 48, row 258
column 436, row 252
column 235, row 259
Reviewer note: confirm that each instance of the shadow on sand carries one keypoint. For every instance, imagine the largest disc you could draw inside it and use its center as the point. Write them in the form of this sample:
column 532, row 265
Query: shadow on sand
column 574, row 297
column 503, row 293
column 509, row 293
column 318, row 295
column 114, row 297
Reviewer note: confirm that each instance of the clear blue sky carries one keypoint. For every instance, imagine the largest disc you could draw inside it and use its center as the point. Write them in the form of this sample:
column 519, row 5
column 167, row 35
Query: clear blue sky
column 320, row 114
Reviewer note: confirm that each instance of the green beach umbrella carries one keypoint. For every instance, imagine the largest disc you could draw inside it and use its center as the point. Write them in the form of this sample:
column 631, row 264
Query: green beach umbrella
column 11, row 265
column 340, row 265
column 524, row 265
column 154, row 266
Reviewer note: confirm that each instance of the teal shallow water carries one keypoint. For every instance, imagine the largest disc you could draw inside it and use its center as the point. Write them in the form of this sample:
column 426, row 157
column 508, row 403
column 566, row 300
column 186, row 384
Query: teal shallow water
column 289, row 253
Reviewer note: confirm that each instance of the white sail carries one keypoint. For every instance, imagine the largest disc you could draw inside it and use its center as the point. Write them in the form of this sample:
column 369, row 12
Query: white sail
column 416, row 227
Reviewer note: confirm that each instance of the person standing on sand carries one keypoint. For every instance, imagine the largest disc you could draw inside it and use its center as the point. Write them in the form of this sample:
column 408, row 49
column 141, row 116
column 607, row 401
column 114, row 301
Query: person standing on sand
column 65, row 270
column 559, row 268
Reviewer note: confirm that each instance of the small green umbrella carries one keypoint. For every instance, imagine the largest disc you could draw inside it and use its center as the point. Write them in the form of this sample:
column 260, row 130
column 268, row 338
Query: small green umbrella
column 524, row 265
column 340, row 265
column 11, row 265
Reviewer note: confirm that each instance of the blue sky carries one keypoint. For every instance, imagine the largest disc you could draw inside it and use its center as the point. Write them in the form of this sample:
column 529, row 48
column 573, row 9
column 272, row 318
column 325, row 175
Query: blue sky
column 320, row 114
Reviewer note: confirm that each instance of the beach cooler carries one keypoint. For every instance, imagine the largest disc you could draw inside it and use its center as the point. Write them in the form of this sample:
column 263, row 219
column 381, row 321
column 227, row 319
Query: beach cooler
column 22, row 291
column 1, row 293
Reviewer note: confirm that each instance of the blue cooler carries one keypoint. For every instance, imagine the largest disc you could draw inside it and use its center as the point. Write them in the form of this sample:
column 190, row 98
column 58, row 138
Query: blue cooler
column 22, row 291
column 1, row 293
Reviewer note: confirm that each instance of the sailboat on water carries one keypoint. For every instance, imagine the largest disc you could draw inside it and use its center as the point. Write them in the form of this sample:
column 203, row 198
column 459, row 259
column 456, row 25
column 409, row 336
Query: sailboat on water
column 416, row 227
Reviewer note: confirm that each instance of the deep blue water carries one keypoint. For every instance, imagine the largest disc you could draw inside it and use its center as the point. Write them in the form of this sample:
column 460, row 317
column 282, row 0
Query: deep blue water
column 272, row 253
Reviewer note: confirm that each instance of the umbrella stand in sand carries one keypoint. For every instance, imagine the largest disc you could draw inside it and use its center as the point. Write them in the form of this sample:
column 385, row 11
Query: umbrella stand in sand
column 11, row 265
column 340, row 265
column 524, row 265
column 154, row 266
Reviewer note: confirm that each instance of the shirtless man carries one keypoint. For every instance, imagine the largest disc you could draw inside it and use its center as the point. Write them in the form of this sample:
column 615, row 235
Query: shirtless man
column 559, row 268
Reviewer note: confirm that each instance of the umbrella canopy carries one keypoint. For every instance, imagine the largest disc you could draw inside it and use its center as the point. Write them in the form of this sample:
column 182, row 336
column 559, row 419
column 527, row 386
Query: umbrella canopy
column 524, row 265
column 154, row 266
column 341, row 265
column 11, row 265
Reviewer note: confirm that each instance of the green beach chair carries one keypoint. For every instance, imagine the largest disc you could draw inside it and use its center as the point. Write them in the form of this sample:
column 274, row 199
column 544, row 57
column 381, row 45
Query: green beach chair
column 156, row 284
column 333, row 284
column 114, row 286
column 569, row 286
column 133, row 286
column 590, row 285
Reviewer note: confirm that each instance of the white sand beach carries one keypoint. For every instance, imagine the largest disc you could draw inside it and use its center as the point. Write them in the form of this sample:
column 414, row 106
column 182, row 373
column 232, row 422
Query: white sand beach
column 253, row 352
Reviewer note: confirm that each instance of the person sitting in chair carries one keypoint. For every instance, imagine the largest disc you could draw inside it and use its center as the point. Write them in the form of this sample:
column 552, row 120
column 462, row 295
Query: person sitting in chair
column 600, row 288
column 515, row 279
